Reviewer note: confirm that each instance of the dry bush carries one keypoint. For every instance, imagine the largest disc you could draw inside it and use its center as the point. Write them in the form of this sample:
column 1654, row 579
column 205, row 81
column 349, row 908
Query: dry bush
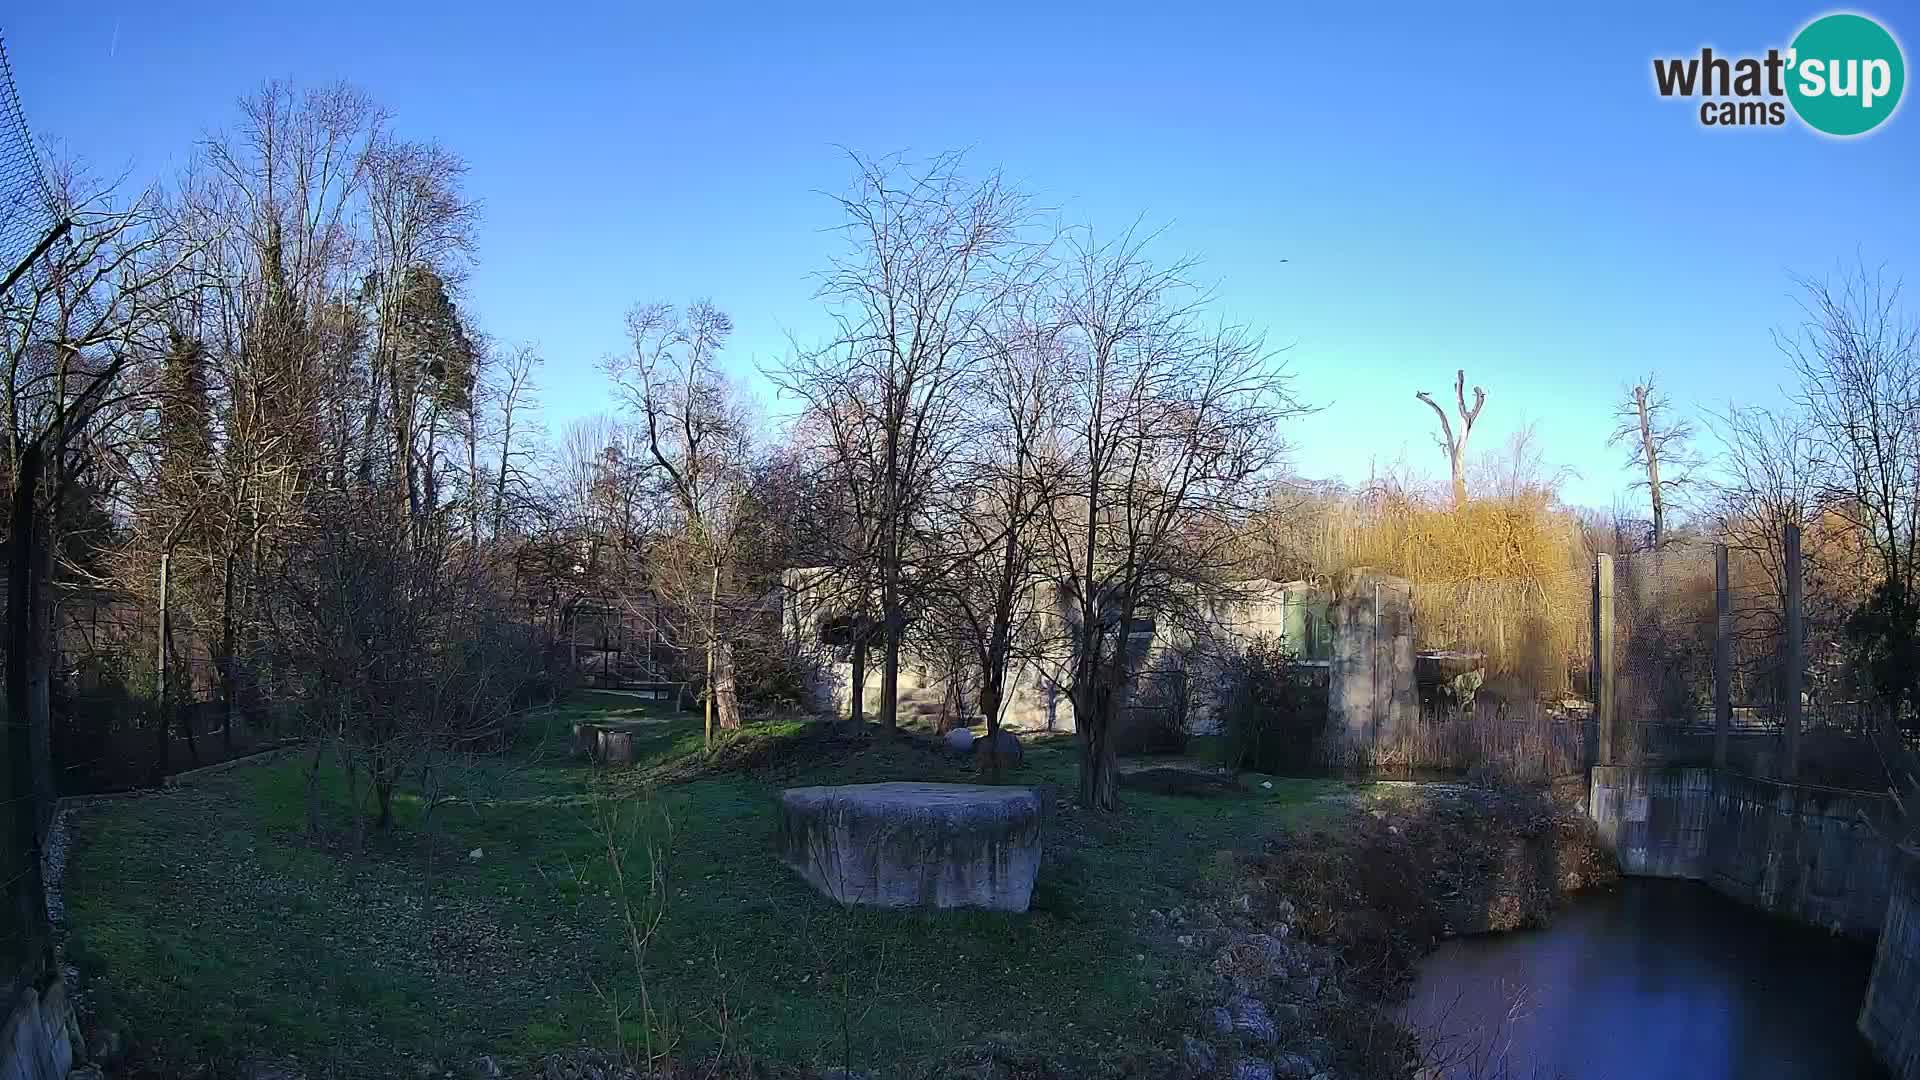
column 1506, row 576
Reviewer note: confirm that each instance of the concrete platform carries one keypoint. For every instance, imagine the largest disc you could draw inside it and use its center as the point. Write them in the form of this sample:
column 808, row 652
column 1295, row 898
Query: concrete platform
column 915, row 845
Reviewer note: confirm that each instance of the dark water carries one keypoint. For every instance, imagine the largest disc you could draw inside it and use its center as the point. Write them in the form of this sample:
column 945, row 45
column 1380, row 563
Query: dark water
column 1655, row 979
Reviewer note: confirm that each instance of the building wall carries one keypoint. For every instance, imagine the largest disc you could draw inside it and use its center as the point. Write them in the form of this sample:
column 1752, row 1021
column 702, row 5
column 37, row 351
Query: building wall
column 1294, row 612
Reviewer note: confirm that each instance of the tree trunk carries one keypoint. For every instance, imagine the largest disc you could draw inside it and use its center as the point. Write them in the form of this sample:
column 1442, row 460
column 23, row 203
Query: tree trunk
column 990, row 708
column 1093, row 715
column 162, row 713
column 313, row 788
column 891, row 626
column 1458, row 460
column 723, row 693
column 40, row 673
column 229, row 702
column 713, row 611
column 857, row 706
column 473, row 475
column 1651, row 451
column 24, row 887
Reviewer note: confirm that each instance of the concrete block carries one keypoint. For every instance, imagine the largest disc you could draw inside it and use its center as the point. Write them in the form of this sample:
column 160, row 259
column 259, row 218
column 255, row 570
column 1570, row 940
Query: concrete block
column 914, row 845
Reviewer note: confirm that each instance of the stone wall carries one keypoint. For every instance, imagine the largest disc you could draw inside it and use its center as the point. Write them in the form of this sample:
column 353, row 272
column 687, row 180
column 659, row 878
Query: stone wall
column 1371, row 697
column 1890, row 1017
column 1811, row 854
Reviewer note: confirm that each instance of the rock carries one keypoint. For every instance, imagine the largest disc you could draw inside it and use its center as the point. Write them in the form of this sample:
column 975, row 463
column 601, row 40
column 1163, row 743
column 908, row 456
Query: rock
column 1252, row 1069
column 1220, row 1021
column 1199, row 1055
column 960, row 740
column 1270, row 949
column 1294, row 1067
column 1251, row 1018
column 1004, row 745
column 485, row 1068
column 475, row 854
column 914, row 845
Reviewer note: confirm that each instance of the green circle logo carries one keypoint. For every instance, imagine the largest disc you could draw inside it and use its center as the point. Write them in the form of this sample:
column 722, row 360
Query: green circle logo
column 1845, row 74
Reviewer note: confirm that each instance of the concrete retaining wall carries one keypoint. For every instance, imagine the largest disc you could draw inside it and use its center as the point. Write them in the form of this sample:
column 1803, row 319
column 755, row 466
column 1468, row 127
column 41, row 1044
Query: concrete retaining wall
column 36, row 1042
column 1890, row 1017
column 1814, row 855
column 1810, row 854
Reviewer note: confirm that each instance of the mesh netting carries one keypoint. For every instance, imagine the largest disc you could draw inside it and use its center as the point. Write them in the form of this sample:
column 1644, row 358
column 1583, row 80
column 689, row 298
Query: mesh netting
column 27, row 205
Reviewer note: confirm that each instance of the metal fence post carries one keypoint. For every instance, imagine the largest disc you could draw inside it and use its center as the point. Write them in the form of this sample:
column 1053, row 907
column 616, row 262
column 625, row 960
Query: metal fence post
column 1796, row 658
column 1722, row 658
column 1603, row 665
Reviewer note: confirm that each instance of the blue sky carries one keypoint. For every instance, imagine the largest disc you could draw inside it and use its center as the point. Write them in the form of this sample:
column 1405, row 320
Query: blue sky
column 1391, row 189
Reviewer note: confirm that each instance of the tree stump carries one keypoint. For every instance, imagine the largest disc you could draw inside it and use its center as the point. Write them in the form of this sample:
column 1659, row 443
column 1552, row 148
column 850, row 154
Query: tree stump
column 586, row 740
column 616, row 747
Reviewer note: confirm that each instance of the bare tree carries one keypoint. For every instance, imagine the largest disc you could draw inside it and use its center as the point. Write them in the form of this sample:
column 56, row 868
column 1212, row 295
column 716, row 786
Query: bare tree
column 1857, row 355
column 394, row 629
column 931, row 258
column 1770, row 474
column 1456, row 445
column 76, row 328
column 984, row 606
column 1169, row 427
column 699, row 435
column 1658, row 448
column 517, row 433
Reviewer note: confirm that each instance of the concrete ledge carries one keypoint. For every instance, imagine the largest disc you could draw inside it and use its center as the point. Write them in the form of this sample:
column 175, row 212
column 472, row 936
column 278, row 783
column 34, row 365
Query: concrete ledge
column 915, row 845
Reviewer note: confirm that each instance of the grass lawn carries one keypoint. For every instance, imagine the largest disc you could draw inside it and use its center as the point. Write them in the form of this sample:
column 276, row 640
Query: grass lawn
column 210, row 927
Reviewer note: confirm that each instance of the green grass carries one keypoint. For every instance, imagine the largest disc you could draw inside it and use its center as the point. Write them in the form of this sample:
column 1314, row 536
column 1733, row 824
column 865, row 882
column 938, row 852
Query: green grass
column 210, row 926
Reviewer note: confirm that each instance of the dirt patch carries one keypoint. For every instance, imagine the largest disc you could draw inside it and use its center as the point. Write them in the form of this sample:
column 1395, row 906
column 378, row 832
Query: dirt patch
column 811, row 747
column 1175, row 780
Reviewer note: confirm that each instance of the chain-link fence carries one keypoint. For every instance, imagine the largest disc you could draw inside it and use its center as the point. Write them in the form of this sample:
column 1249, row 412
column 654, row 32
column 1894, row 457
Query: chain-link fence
column 28, row 217
column 1676, row 616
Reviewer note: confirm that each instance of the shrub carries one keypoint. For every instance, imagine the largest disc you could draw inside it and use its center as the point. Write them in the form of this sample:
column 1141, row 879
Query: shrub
column 1273, row 713
column 1155, row 720
column 778, row 678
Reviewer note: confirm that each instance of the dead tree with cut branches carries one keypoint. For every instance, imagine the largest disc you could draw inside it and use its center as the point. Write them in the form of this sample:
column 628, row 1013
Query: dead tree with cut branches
column 1454, row 444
